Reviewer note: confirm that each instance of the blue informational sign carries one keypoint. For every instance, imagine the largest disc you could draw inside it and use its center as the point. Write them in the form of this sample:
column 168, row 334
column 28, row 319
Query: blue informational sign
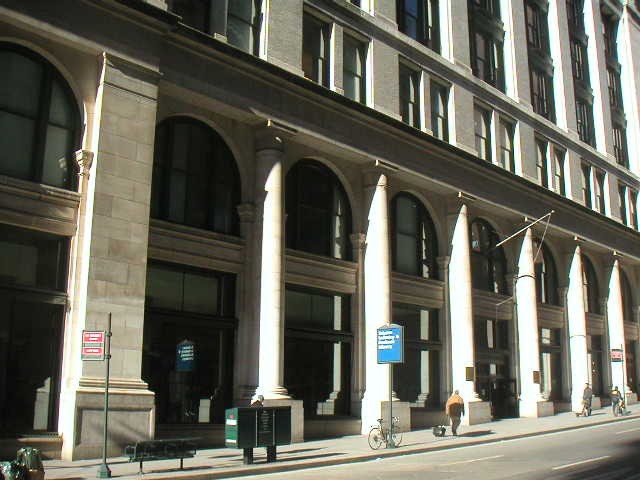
column 390, row 341
column 185, row 356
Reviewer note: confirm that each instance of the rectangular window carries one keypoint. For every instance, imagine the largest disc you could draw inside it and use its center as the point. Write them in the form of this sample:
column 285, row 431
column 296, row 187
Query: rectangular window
column 614, row 87
column 558, row 171
column 620, row 145
column 578, row 60
column 243, row 24
column 354, row 69
column 584, row 121
column 418, row 19
column 506, row 150
column 574, row 14
column 410, row 98
column 487, row 62
column 542, row 163
column 315, row 50
column 610, row 27
column 440, row 110
column 599, row 191
column 482, row 127
column 534, row 25
column 541, row 87
column 633, row 212
column 586, row 185
column 622, row 203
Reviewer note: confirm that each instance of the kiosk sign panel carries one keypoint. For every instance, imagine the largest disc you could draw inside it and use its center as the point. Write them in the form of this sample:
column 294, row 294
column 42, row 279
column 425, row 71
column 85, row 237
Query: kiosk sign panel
column 185, row 356
column 390, row 344
column 93, row 345
column 616, row 355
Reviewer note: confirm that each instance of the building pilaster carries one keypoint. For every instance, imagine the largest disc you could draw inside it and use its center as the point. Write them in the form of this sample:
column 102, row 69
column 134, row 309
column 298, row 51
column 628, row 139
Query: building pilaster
column 580, row 368
column 615, row 324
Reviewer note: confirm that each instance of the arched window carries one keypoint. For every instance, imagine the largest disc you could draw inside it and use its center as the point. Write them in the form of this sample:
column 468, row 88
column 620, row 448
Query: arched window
column 39, row 120
column 488, row 264
column 546, row 275
column 590, row 287
column 195, row 177
column 318, row 212
column 627, row 298
column 415, row 245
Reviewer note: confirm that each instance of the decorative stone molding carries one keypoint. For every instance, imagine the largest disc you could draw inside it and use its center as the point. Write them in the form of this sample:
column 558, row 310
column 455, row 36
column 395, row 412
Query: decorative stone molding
column 272, row 134
column 84, row 160
column 246, row 212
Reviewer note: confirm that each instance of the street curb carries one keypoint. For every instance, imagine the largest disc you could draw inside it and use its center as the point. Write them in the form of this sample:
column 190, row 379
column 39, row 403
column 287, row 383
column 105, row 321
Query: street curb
column 374, row 455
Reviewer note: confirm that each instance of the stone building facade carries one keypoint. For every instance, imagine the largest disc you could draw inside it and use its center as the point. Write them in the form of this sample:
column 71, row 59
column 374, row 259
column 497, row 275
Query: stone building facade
column 271, row 181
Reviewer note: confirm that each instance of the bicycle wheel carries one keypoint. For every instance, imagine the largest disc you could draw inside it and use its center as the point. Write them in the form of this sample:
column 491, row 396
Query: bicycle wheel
column 375, row 438
column 397, row 438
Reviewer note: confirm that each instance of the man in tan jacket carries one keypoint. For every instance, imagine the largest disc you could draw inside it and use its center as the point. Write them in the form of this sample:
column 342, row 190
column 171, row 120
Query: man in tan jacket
column 454, row 410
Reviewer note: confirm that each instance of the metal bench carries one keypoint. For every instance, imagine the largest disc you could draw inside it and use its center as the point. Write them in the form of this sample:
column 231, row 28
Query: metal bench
column 147, row 450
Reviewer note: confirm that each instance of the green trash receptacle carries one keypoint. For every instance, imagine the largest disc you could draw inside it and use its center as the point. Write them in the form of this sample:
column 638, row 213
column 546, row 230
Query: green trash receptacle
column 12, row 471
column 31, row 460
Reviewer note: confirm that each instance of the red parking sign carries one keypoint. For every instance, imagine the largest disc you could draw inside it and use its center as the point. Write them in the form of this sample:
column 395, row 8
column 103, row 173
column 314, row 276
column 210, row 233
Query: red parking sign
column 93, row 345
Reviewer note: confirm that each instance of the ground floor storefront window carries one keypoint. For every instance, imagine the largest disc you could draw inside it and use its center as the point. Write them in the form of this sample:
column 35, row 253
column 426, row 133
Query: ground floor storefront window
column 417, row 380
column 594, row 355
column 318, row 351
column 550, row 364
column 632, row 375
column 32, row 306
column 189, row 334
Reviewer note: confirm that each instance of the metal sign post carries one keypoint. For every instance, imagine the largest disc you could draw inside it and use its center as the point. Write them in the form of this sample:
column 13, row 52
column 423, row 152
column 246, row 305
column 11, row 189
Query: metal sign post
column 617, row 355
column 390, row 341
column 103, row 469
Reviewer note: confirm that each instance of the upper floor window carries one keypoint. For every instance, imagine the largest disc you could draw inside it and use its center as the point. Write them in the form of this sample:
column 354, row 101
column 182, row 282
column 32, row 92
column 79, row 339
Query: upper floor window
column 39, row 120
column 318, row 211
column 591, row 291
column 633, row 213
column 620, row 146
column 410, row 98
column 542, row 167
column 491, row 7
column 558, row 171
column 506, row 149
column 546, row 275
column 487, row 59
column 315, row 50
column 575, row 15
column 195, row 177
column 354, row 69
column 482, row 129
column 440, row 110
column 541, row 93
column 239, row 20
column 535, row 24
column 586, row 185
column 415, row 245
column 488, row 264
column 609, row 33
column 578, row 60
column 584, row 122
column 627, row 297
column 419, row 19
column 599, row 191
column 614, row 88
column 622, row 203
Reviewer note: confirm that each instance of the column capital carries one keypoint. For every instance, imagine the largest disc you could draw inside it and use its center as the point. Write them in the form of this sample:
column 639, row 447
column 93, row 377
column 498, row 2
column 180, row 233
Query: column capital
column 456, row 201
column 443, row 262
column 84, row 160
column 358, row 240
column 376, row 176
column 246, row 212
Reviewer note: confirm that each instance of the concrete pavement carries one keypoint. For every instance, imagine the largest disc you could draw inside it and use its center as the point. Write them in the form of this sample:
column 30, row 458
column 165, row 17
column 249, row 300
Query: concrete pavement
column 225, row 463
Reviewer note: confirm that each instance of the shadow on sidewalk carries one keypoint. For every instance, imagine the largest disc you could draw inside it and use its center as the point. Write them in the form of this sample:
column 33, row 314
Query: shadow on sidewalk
column 477, row 433
column 295, row 459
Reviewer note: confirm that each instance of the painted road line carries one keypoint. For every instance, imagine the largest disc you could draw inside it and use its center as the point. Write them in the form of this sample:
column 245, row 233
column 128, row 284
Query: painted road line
column 627, row 431
column 471, row 461
column 560, row 467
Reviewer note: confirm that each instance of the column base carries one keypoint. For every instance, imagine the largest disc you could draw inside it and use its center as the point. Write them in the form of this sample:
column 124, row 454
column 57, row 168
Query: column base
column 535, row 408
column 373, row 409
column 131, row 418
column 631, row 398
column 297, row 415
column 477, row 411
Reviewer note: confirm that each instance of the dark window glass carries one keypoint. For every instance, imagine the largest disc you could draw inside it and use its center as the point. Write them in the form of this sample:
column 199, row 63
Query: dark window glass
column 575, row 15
column 415, row 244
column 318, row 212
column 318, row 351
column 354, row 69
column 599, row 192
column 546, row 275
column 39, row 120
column 195, row 178
column 620, row 146
column 584, row 118
column 410, row 96
column 633, row 214
column 542, row 162
column 622, row 203
column 243, row 24
column 488, row 264
column 482, row 128
column 586, row 185
column 534, row 24
column 558, row 171
column 32, row 259
column 541, row 93
column 440, row 111
column 579, row 60
column 614, row 88
column 627, row 298
column 590, row 287
column 610, row 29
column 419, row 20
column 507, row 155
column 487, row 59
column 315, row 50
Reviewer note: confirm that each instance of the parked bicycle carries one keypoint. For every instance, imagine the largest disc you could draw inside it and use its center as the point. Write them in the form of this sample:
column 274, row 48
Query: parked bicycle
column 618, row 409
column 379, row 435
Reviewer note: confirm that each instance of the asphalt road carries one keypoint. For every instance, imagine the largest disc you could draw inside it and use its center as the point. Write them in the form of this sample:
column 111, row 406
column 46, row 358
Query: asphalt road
column 602, row 452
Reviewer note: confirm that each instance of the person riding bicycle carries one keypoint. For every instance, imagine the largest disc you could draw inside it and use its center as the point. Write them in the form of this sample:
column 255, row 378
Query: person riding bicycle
column 616, row 401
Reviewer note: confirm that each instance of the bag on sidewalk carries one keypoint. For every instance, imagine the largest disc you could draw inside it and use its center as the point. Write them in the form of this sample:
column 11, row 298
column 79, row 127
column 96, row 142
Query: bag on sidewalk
column 439, row 430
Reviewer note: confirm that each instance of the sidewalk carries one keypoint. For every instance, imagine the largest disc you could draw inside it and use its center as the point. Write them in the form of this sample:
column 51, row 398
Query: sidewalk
column 225, row 462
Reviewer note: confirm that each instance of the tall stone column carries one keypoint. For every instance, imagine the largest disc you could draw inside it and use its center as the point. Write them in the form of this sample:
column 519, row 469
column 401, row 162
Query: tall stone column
column 108, row 269
column 531, row 401
column 461, row 311
column 377, row 297
column 269, row 198
column 270, row 195
column 615, row 323
column 577, row 331
column 358, row 322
